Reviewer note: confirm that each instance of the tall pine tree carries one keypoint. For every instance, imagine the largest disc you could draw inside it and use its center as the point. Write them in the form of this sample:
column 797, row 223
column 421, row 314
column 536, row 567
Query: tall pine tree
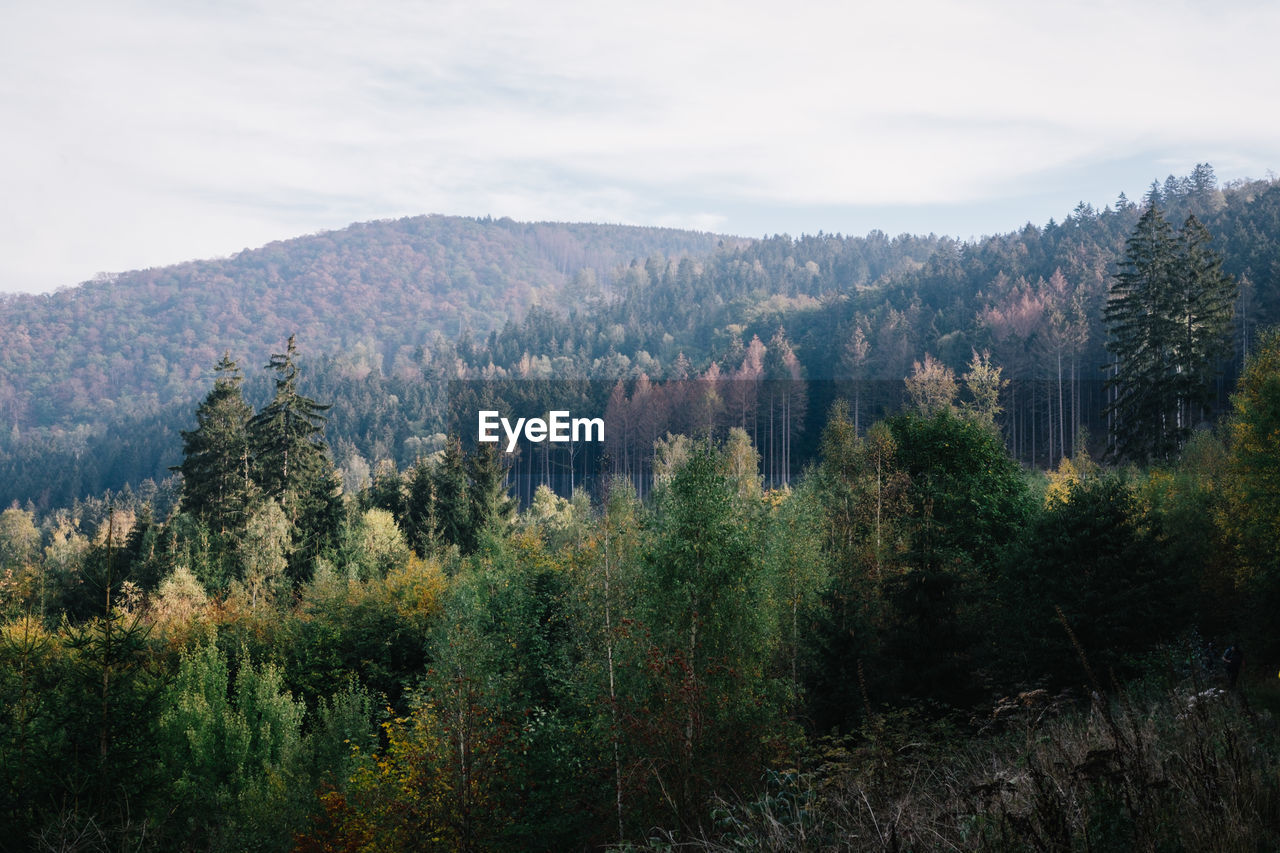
column 1167, row 318
column 287, row 439
column 291, row 463
column 216, row 482
column 1205, row 299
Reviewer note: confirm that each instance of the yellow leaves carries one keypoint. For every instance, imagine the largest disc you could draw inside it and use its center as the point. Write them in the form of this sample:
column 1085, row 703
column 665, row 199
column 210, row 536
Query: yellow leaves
column 1071, row 473
column 416, row 588
column 775, row 498
column 25, row 635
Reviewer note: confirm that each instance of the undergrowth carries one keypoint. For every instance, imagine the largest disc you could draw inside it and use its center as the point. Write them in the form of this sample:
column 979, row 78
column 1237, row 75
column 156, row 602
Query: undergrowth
column 1177, row 768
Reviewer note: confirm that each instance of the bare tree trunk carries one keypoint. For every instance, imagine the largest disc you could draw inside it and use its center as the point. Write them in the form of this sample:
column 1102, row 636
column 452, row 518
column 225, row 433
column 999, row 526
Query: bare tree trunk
column 613, row 698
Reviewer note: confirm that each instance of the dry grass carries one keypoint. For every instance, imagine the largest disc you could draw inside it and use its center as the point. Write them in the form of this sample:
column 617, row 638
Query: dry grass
column 1176, row 769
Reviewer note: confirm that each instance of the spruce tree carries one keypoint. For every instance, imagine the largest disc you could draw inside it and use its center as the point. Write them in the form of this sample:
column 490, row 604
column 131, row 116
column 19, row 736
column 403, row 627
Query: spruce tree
column 451, row 497
column 1168, row 318
column 419, row 516
column 1205, row 302
column 489, row 502
column 215, row 467
column 1142, row 333
column 291, row 465
column 290, row 458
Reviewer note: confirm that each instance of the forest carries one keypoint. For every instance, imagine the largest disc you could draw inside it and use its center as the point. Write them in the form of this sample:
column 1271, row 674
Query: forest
column 850, row 309
column 894, row 544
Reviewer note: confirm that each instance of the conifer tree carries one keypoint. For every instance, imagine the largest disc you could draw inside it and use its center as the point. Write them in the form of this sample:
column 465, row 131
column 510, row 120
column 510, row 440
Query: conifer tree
column 290, row 458
column 215, row 467
column 419, row 516
column 450, row 496
column 490, row 504
column 1142, row 332
column 1205, row 299
column 1168, row 316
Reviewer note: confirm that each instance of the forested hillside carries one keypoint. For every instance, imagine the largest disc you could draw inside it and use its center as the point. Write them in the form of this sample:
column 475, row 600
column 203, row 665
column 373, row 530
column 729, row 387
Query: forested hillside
column 133, row 342
column 824, row 307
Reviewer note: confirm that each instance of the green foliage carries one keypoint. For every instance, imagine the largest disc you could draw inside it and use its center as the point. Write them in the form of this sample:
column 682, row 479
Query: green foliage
column 964, row 488
column 906, row 296
column 1252, row 513
column 378, row 544
column 375, row 630
column 22, row 583
column 491, row 508
column 386, row 491
column 800, row 575
column 264, row 555
column 584, row 675
column 216, row 483
column 291, row 463
column 107, row 708
column 862, row 496
column 419, row 516
column 19, row 538
column 702, row 575
column 1183, row 508
column 234, row 749
column 450, row 501
column 1094, row 559
column 965, row 503
column 1168, row 317
column 712, row 617
column 33, row 667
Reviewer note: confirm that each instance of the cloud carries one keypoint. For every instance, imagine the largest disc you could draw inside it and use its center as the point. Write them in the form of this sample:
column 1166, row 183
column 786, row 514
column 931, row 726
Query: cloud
column 148, row 133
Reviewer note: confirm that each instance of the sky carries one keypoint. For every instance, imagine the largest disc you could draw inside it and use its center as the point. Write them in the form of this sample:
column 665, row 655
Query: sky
column 140, row 134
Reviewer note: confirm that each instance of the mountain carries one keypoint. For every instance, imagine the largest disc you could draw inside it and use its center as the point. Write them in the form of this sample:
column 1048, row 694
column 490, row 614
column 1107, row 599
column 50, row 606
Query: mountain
column 129, row 344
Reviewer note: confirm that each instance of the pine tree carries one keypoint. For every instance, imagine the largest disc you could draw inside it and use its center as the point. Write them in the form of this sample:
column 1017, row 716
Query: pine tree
column 1168, row 316
column 1205, row 300
column 419, row 516
column 1205, row 196
column 290, row 458
column 215, row 468
column 490, row 504
column 1143, row 330
column 450, row 496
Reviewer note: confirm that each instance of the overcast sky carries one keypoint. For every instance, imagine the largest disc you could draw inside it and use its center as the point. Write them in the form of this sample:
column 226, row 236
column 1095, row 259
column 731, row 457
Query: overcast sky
column 138, row 134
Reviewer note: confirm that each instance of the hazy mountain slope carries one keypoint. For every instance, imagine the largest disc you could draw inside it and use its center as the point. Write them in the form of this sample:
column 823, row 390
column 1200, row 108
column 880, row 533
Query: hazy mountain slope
column 132, row 343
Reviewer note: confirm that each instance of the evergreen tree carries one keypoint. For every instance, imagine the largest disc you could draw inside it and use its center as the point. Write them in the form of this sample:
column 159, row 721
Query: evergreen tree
column 1205, row 299
column 290, row 458
column 215, row 467
column 1205, row 196
column 489, row 502
column 107, row 701
column 387, row 491
column 450, row 497
column 419, row 516
column 1168, row 315
column 319, row 524
column 1142, row 333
